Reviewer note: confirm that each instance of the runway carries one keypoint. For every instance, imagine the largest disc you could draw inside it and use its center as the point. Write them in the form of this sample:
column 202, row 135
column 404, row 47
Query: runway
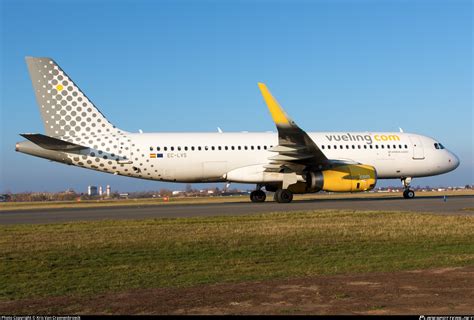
column 454, row 205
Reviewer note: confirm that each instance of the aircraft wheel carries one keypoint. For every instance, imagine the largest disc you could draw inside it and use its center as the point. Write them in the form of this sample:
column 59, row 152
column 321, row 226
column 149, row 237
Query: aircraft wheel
column 283, row 196
column 258, row 196
column 408, row 194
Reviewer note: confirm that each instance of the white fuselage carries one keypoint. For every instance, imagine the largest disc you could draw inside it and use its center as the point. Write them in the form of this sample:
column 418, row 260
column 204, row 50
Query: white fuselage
column 207, row 157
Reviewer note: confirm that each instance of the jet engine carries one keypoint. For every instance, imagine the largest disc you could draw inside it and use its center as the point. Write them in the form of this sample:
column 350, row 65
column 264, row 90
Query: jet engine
column 344, row 178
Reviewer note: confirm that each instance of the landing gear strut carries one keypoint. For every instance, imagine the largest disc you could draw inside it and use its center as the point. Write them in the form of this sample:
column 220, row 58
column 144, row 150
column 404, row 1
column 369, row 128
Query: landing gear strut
column 407, row 193
column 258, row 195
column 283, row 196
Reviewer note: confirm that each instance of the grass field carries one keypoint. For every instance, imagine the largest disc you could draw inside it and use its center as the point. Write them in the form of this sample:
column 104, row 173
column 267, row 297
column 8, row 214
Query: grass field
column 196, row 200
column 94, row 257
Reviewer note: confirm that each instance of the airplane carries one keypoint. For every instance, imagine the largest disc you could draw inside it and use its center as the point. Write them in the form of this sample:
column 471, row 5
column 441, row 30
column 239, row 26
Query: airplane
column 289, row 162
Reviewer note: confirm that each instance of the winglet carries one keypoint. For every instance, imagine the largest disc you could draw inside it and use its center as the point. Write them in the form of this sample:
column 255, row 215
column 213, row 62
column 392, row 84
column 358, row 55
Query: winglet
column 278, row 114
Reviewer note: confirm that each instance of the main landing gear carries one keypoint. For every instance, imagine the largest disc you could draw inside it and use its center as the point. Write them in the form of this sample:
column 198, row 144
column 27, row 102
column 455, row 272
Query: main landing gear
column 407, row 193
column 258, row 196
column 281, row 195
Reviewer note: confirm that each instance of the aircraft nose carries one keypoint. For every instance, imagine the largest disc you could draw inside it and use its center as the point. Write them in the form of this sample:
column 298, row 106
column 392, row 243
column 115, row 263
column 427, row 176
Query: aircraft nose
column 457, row 162
column 454, row 160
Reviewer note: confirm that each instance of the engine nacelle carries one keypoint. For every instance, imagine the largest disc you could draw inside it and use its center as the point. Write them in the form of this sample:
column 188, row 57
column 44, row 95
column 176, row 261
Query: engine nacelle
column 346, row 178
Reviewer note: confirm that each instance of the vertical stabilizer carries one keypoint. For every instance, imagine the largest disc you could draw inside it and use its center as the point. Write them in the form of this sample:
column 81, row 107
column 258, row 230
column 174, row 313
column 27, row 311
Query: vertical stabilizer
column 65, row 110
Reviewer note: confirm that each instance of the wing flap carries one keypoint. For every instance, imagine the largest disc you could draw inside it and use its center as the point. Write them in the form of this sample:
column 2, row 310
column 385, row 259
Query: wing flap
column 286, row 149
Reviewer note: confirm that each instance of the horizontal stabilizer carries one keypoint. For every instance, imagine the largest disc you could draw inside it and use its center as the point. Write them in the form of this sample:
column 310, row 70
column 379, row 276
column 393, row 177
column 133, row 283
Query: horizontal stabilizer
column 51, row 143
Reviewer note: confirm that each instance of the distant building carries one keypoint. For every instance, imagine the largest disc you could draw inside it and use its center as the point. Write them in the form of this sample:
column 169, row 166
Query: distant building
column 92, row 190
column 100, row 190
column 107, row 191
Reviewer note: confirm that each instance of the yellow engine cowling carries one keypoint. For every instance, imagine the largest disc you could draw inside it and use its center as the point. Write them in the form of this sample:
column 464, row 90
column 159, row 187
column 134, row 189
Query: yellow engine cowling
column 349, row 178
column 345, row 178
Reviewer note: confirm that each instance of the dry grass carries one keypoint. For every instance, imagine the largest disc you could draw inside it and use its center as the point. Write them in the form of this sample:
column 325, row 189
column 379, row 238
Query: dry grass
column 92, row 257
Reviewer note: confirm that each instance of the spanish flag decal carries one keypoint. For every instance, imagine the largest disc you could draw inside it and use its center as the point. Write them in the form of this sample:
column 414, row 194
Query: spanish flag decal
column 152, row 155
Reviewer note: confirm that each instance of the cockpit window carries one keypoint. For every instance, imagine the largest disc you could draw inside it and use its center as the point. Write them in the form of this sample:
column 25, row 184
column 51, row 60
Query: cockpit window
column 438, row 145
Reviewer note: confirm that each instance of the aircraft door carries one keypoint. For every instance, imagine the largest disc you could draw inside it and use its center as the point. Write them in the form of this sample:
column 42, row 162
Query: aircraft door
column 418, row 152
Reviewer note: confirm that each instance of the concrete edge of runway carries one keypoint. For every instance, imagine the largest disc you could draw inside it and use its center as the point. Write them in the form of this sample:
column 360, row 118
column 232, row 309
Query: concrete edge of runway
column 461, row 205
column 244, row 201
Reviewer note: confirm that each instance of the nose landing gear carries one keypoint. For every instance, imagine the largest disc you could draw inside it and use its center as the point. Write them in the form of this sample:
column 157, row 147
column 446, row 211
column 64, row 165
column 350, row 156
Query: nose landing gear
column 407, row 193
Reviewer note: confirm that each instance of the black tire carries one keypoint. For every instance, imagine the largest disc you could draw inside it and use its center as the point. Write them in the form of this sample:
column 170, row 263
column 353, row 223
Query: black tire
column 283, row 196
column 408, row 194
column 258, row 196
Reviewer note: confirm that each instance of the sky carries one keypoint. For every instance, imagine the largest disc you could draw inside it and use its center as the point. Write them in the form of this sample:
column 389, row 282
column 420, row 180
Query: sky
column 173, row 66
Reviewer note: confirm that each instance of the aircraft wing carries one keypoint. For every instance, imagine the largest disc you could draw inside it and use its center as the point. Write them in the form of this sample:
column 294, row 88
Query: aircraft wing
column 295, row 150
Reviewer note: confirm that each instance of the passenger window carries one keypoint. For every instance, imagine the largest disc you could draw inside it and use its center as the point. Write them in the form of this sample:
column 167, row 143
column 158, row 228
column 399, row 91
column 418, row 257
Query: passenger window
column 353, row 147
column 245, row 148
column 238, row 148
column 151, row 148
column 341, row 147
column 232, row 148
column 226, row 148
column 251, row 147
column 347, row 146
column 406, row 147
column 441, row 146
column 157, row 148
column 388, row 146
column 199, row 148
column 358, row 146
column 329, row 146
column 382, row 146
column 365, row 146
column 192, row 148
column 185, row 148
column 399, row 146
column 371, row 147
column 206, row 148
column 172, row 148
column 376, row 146
column 213, row 148
column 335, row 147
column 165, row 148
column 219, row 148
column 322, row 147
column 265, row 147
column 258, row 147
column 179, row 148
column 394, row 146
